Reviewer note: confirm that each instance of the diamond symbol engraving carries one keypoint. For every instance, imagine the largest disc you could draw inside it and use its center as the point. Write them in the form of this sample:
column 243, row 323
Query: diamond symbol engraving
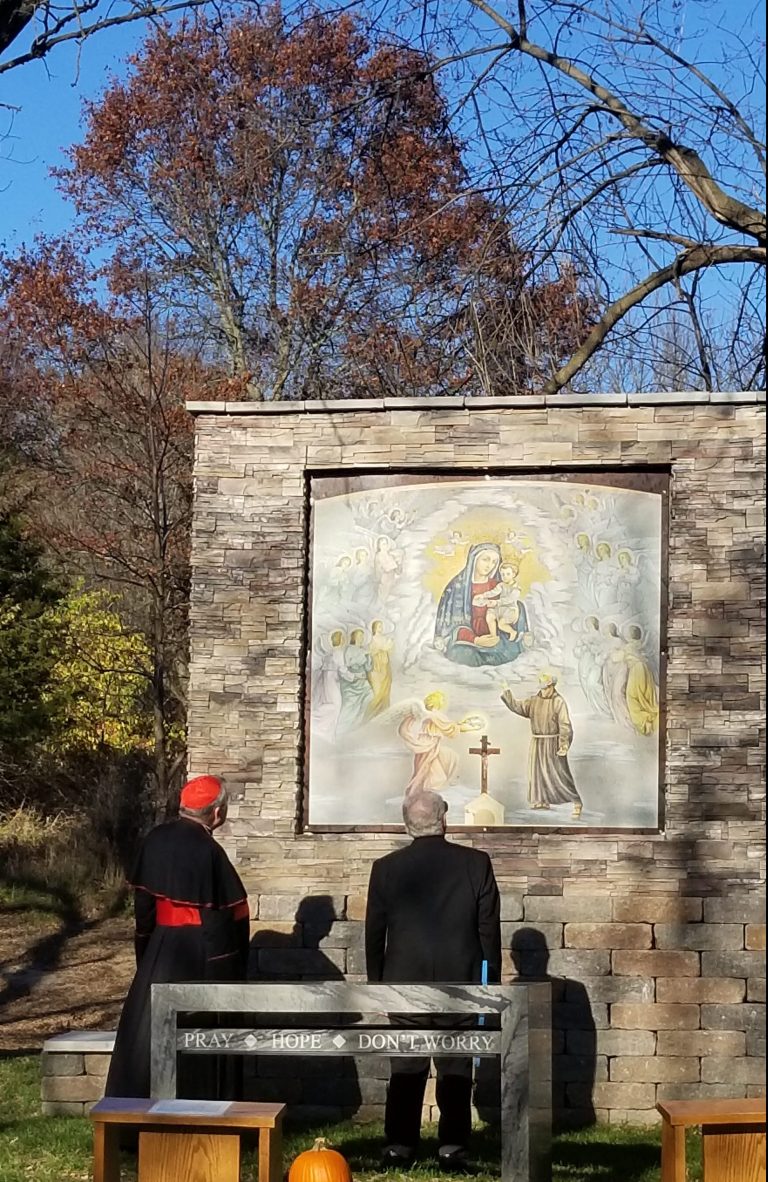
column 251, row 1041
column 339, row 1041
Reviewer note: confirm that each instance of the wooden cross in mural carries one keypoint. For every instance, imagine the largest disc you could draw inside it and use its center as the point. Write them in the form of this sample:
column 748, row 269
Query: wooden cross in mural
column 484, row 751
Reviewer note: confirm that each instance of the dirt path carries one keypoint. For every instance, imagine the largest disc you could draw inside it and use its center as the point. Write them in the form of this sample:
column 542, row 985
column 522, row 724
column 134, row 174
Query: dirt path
column 57, row 976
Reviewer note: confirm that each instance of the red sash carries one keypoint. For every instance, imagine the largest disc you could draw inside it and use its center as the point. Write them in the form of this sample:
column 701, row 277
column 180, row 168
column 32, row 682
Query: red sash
column 176, row 915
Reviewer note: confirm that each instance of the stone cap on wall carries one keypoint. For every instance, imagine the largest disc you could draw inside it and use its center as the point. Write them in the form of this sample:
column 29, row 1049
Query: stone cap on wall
column 462, row 402
column 81, row 1042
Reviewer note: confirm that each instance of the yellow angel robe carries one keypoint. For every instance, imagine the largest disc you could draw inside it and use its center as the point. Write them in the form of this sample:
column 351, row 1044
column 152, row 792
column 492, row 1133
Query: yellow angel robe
column 380, row 674
column 642, row 697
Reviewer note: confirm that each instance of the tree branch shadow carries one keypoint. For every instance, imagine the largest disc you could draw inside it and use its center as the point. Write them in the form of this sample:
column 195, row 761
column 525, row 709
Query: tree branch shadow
column 44, row 954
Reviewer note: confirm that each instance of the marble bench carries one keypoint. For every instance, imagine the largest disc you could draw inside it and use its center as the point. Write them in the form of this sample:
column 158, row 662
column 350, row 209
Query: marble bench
column 74, row 1069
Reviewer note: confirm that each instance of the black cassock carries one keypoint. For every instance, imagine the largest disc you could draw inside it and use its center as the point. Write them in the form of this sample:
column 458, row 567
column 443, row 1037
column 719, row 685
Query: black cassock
column 192, row 924
column 432, row 916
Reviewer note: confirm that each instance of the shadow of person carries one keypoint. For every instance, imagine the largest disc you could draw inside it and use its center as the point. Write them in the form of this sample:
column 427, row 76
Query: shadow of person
column 312, row 949
column 574, row 1036
column 574, row 1040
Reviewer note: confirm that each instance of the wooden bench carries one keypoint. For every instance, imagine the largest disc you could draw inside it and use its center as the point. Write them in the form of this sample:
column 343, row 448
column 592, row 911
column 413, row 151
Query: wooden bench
column 733, row 1139
column 193, row 1140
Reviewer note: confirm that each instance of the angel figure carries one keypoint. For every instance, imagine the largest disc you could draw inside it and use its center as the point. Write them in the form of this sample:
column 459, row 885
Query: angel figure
column 380, row 672
column 642, row 693
column 590, row 652
column 387, row 561
column 628, row 578
column 395, row 521
column 423, row 728
column 456, row 539
column 326, row 695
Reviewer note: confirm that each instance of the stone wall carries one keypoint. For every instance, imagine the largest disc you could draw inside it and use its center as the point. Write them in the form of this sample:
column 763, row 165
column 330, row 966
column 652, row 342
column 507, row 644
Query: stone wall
column 74, row 1071
column 656, row 941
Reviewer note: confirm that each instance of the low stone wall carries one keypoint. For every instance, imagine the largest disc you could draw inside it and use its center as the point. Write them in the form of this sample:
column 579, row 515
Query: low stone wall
column 74, row 1067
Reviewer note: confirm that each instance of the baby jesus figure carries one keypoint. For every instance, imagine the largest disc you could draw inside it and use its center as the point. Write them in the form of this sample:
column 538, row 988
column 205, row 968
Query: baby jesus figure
column 503, row 603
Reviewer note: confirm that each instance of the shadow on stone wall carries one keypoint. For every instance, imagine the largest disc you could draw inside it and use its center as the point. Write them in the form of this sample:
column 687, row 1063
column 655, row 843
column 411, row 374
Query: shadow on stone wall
column 574, row 1041
column 318, row 1088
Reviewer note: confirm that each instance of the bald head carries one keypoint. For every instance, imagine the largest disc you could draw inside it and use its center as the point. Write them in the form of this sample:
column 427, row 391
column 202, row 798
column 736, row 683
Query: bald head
column 424, row 814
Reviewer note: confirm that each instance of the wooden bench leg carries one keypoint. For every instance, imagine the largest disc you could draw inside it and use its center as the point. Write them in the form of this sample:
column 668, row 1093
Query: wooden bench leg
column 672, row 1153
column 106, row 1153
column 271, row 1154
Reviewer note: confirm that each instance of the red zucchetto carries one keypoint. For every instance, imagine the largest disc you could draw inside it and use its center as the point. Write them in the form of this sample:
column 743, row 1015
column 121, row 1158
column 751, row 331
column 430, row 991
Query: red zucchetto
column 200, row 792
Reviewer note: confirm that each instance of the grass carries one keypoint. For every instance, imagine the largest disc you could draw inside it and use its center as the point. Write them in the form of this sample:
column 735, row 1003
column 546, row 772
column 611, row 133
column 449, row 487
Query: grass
column 34, row 1148
column 55, row 866
column 35, row 902
column 30, row 840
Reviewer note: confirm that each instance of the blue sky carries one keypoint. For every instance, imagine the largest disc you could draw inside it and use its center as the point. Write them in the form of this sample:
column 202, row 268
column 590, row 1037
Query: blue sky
column 49, row 98
column 49, row 95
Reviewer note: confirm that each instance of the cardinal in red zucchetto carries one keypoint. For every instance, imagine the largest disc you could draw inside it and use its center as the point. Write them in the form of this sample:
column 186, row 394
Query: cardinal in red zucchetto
column 192, row 925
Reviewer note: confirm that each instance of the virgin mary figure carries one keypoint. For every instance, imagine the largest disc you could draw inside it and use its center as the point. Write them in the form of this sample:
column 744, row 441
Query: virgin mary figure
column 462, row 629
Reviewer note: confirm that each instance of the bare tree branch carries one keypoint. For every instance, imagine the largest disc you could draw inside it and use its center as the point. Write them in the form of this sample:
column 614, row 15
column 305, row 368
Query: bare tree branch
column 657, row 236
column 15, row 17
column 719, row 93
column 686, row 263
column 726, row 209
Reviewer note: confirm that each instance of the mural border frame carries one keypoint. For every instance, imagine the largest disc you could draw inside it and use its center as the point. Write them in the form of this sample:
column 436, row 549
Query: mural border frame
column 611, row 476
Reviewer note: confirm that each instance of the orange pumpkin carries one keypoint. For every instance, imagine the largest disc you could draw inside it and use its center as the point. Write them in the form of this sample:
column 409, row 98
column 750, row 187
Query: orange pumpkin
column 320, row 1164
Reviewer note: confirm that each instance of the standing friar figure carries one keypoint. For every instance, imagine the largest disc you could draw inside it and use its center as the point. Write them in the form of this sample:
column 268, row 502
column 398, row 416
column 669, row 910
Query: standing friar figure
column 550, row 780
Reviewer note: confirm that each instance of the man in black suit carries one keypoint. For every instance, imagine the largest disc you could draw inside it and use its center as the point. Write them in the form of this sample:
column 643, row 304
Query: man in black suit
column 433, row 916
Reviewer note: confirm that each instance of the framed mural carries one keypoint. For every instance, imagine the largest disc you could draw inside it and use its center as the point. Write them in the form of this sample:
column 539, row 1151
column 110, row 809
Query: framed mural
column 497, row 639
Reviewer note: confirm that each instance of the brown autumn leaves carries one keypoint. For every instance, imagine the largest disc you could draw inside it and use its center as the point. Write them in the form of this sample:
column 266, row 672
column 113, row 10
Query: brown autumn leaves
column 262, row 212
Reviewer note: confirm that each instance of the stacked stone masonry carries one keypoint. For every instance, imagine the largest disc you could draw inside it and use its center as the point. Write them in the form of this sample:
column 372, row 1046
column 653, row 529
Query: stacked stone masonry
column 74, row 1071
column 657, row 941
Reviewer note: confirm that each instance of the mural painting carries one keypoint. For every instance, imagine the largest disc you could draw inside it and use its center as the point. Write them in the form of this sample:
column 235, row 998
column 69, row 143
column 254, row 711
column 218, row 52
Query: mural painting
column 496, row 640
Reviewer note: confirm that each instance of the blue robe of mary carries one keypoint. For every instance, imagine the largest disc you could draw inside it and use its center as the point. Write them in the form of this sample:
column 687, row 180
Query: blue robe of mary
column 455, row 614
